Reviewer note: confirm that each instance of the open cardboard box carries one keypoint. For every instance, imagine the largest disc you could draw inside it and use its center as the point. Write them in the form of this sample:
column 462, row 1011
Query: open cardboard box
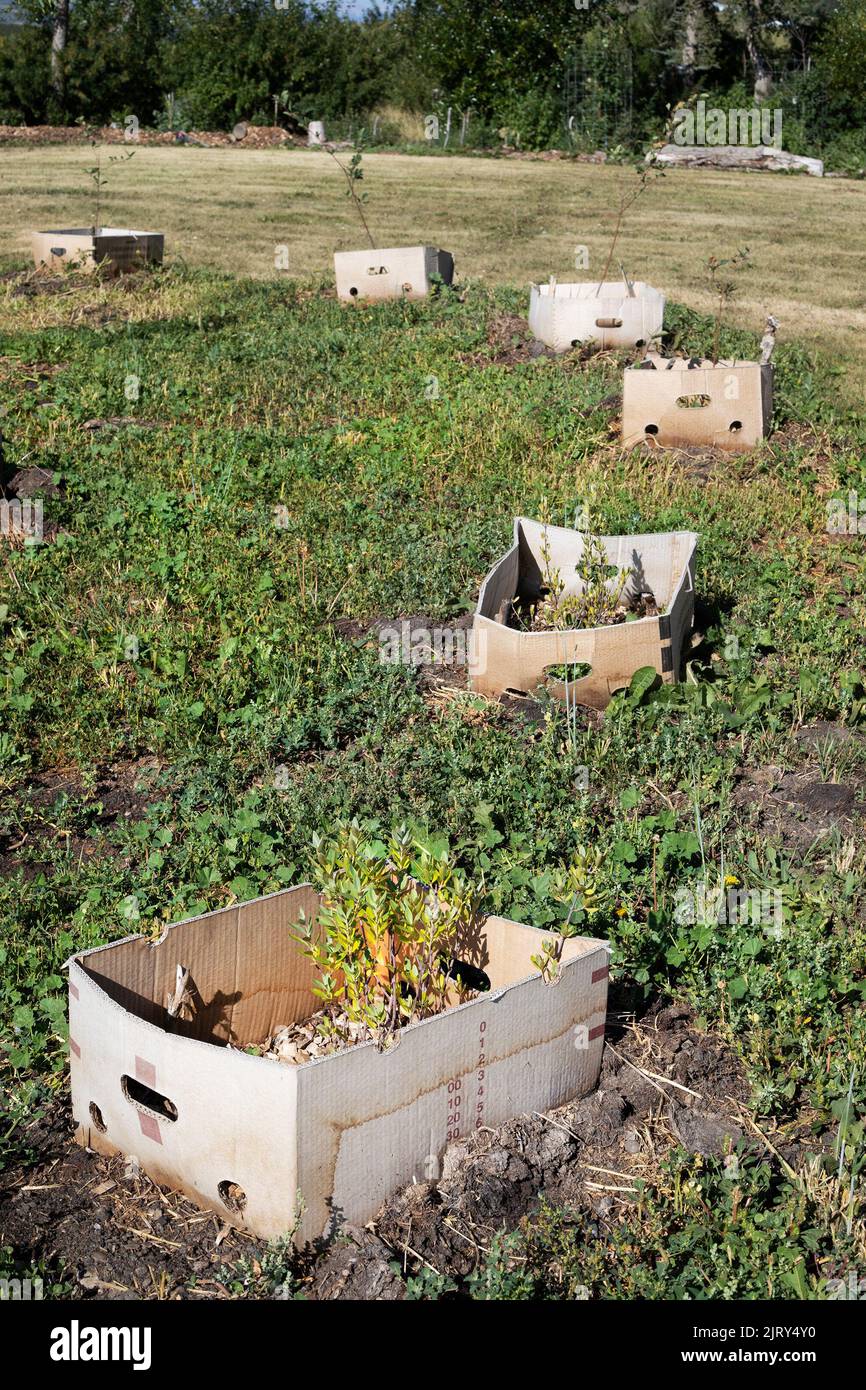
column 728, row 406
column 116, row 247
column 399, row 272
column 508, row 660
column 562, row 316
column 268, row 1144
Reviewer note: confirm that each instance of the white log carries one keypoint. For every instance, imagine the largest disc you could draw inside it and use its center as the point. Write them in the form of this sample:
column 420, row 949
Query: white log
column 736, row 157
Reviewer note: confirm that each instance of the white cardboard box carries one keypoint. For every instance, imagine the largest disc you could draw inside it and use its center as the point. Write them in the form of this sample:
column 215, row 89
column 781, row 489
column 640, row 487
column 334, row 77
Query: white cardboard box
column 344, row 1131
column 563, row 316
column 118, row 247
column 660, row 406
column 398, row 272
column 507, row 659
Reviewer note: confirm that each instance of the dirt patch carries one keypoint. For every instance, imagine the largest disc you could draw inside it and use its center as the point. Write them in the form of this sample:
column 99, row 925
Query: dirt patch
column 795, row 435
column 108, row 1230
column 32, row 482
column 509, row 342
column 33, row 283
column 437, row 648
column 663, row 1083
column 28, row 820
column 28, row 374
column 826, row 795
column 119, row 422
column 116, row 1235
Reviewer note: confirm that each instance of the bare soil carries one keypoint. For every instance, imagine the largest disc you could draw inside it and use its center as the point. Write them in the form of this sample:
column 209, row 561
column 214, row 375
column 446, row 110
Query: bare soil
column 115, row 1235
column 823, row 797
column 122, row 791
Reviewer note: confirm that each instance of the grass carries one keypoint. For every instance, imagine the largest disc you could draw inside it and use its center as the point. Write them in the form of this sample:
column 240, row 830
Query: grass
column 507, row 222
column 282, row 468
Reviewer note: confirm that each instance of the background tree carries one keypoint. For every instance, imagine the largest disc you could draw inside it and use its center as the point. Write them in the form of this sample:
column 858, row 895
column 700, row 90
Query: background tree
column 59, row 35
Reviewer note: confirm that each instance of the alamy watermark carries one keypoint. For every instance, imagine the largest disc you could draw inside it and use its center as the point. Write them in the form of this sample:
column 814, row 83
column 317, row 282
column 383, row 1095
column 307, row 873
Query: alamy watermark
column 20, row 1290
column 851, row 1287
column 409, row 645
column 846, row 517
column 703, row 125
column 22, row 517
column 731, row 906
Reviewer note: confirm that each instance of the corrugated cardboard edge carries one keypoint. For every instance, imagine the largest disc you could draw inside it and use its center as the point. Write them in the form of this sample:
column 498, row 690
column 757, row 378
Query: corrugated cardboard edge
column 651, row 396
column 506, row 660
column 341, row 1131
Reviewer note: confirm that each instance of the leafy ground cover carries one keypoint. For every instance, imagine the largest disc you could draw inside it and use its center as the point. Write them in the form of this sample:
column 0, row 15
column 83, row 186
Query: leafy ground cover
column 243, row 485
column 506, row 221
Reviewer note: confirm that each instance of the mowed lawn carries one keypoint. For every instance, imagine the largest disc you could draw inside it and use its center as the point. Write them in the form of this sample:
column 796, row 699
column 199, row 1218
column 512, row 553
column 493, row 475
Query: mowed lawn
column 505, row 220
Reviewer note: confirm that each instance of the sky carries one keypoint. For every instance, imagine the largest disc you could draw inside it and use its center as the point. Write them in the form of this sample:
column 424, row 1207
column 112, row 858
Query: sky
column 356, row 8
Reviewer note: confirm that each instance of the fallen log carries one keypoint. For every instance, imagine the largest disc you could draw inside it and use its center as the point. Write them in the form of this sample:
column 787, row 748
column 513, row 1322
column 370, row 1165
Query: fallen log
column 736, row 157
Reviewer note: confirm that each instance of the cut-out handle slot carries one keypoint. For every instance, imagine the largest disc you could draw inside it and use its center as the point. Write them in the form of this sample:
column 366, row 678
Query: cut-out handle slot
column 608, row 323
column 697, row 402
column 469, row 976
column 377, row 270
column 568, row 671
column 147, row 1099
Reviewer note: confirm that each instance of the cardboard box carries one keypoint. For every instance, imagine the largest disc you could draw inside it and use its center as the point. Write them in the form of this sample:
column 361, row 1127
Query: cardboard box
column 399, row 272
column 507, row 660
column 729, row 406
column 562, row 316
column 118, row 247
column 246, row 1134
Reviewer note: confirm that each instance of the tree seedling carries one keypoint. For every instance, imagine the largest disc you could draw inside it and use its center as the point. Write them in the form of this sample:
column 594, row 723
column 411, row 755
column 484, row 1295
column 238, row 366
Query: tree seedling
column 100, row 180
column 723, row 289
column 595, row 604
column 646, row 172
column 353, row 172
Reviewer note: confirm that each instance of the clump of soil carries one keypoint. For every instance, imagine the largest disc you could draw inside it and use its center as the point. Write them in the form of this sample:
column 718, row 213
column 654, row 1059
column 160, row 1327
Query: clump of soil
column 509, row 342
column 32, row 482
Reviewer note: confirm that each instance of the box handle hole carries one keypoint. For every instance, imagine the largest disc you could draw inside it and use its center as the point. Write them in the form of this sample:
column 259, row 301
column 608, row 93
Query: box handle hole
column 147, row 1099
column 96, row 1118
column 232, row 1195
column 697, row 402
column 608, row 323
